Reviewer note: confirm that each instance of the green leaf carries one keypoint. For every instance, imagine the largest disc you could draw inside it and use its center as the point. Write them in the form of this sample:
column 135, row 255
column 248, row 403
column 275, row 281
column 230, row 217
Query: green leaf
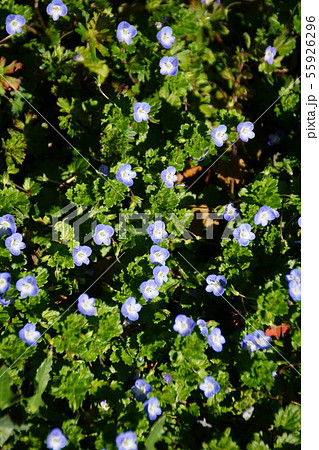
column 155, row 433
column 289, row 418
column 42, row 379
column 6, row 428
column 6, row 395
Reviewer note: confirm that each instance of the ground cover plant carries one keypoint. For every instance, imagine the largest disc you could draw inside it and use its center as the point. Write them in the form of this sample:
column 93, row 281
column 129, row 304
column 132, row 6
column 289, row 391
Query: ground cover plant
column 150, row 224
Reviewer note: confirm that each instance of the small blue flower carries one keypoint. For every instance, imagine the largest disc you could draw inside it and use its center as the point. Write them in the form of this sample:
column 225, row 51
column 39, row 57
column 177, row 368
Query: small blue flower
column 7, row 225
column 126, row 441
column 230, row 212
column 158, row 255
column 165, row 37
column 125, row 175
column 56, row 9
column 14, row 23
column 294, row 275
column 160, row 274
column 104, row 170
column 130, row 309
column 169, row 66
column 4, row 302
column 81, row 255
column 270, row 53
column 294, row 290
column 102, row 234
column 202, row 326
column 140, row 111
column 157, row 231
column 216, row 284
column 168, row 176
column 276, row 137
column 29, row 334
column 265, row 214
column 56, row 439
column 86, row 305
column 183, row 325
column 27, row 287
column 152, row 409
column 5, row 279
column 262, row 341
column 14, row 244
column 249, row 343
column 243, row 234
column 216, row 340
column 219, row 135
column 245, row 131
column 274, row 373
column 208, row 2
column 248, row 413
column 299, row 222
column 210, row 387
column 141, row 389
column 149, row 289
column 126, row 32
column 167, row 378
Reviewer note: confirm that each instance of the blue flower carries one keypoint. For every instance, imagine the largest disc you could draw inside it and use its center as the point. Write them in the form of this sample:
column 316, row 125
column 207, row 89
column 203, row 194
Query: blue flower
column 183, row 325
column 202, row 326
column 230, row 212
column 157, row 231
column 294, row 275
column 81, row 255
column 210, row 387
column 5, row 279
column 216, row 340
column 56, row 439
column 149, row 289
column 299, row 222
column 219, row 135
column 14, row 23
column 245, row 131
column 125, row 175
column 158, row 255
column 4, row 301
column 104, row 170
column 56, row 9
column 86, row 305
column 14, row 244
column 126, row 441
column 270, row 53
column 152, row 409
column 168, row 176
column 208, row 2
column 130, row 309
column 169, row 66
column 27, row 286
column 125, row 32
column 275, row 138
column 243, row 234
column 294, row 290
column 160, row 275
column 141, row 389
column 140, row 111
column 216, row 284
column 7, row 225
column 167, row 378
column 265, row 214
column 248, row 413
column 165, row 38
column 249, row 343
column 262, row 341
column 102, row 234
column 29, row 334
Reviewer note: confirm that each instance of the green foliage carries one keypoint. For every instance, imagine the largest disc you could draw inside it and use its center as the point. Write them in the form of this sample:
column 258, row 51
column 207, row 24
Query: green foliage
column 70, row 112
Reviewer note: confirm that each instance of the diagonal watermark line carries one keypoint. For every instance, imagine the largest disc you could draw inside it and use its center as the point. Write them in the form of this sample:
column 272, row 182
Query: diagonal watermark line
column 64, row 312
column 233, row 143
column 61, row 135
column 243, row 317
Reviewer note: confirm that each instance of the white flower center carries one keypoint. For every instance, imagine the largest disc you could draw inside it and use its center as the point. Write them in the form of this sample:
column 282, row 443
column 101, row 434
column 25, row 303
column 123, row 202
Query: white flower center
column 81, row 255
column 168, row 66
column 5, row 224
column 245, row 234
column 30, row 335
